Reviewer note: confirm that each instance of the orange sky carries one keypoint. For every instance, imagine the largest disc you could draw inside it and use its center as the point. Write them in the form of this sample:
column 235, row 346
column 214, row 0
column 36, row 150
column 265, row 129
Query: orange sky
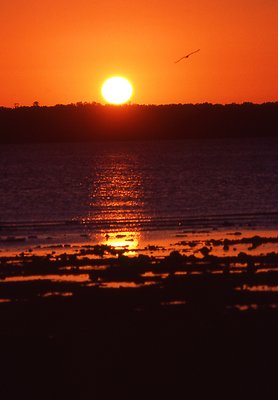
column 60, row 51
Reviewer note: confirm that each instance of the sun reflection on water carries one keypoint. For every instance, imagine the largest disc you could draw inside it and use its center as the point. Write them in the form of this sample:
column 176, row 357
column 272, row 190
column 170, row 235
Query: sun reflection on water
column 122, row 240
column 117, row 200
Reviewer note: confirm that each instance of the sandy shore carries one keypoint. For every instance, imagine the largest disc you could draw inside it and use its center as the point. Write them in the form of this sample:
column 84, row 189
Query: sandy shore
column 193, row 317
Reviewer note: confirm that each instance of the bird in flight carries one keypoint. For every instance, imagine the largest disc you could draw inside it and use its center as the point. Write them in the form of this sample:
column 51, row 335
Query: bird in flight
column 193, row 52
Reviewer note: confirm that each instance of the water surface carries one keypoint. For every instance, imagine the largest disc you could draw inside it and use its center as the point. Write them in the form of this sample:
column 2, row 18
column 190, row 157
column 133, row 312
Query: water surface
column 156, row 185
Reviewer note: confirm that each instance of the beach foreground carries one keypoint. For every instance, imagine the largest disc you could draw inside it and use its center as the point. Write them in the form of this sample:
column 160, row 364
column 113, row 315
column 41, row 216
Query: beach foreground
column 104, row 322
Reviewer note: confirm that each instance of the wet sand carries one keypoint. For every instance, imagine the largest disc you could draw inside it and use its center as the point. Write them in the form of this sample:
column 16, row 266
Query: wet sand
column 191, row 318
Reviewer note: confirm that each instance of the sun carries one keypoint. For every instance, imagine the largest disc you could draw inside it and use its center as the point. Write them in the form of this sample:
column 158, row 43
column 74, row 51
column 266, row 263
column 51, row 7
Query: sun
column 117, row 90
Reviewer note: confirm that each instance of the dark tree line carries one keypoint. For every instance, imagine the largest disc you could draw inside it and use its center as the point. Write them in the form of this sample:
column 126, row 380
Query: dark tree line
column 86, row 122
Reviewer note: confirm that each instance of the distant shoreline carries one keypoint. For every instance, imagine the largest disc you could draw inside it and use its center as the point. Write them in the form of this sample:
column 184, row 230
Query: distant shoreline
column 92, row 121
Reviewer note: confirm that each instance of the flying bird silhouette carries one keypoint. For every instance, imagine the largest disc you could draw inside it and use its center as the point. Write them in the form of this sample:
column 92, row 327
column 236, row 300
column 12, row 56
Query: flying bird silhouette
column 193, row 52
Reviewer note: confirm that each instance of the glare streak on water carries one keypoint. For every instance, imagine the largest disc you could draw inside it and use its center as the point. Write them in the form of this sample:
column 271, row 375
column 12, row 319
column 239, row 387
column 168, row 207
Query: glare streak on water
column 60, row 294
column 118, row 285
column 259, row 288
column 54, row 278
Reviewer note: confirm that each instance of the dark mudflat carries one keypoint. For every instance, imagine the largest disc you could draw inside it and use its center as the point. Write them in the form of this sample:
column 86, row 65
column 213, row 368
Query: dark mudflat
column 193, row 335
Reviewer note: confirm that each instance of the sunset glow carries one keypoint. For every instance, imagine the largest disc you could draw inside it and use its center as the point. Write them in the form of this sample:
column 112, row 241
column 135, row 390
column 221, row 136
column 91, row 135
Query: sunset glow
column 61, row 52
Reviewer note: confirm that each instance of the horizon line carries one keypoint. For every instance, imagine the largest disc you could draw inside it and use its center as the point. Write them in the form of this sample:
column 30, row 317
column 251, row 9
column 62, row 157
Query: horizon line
column 129, row 104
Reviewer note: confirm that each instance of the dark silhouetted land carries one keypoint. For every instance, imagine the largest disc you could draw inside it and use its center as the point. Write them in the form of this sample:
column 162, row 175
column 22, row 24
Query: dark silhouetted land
column 86, row 122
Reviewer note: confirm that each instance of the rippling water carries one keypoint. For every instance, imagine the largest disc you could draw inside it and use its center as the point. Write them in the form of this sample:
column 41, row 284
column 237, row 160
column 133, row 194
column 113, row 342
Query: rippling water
column 139, row 185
